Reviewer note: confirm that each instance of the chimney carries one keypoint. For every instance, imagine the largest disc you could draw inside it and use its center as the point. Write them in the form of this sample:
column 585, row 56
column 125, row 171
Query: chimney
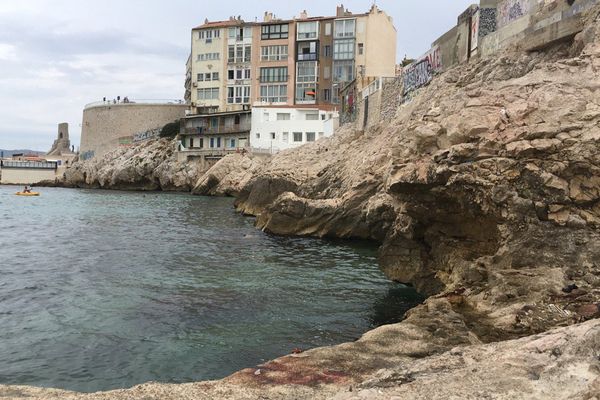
column 303, row 15
column 340, row 11
column 268, row 17
column 205, row 21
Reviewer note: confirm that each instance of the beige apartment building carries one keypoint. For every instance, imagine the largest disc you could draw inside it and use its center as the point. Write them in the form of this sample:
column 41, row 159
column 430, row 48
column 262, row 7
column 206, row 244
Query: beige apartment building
column 300, row 63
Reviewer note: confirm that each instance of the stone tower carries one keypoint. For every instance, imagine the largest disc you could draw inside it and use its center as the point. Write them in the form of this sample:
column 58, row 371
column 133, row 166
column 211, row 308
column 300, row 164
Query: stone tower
column 62, row 145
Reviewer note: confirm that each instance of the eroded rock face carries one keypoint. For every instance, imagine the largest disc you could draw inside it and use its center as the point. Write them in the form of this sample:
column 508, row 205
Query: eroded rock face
column 150, row 165
column 484, row 187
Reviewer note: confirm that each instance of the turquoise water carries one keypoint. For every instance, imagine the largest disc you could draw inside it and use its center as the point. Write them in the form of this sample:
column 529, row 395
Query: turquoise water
column 103, row 290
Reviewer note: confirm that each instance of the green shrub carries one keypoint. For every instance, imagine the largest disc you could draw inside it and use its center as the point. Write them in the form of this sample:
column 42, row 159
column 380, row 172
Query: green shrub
column 170, row 130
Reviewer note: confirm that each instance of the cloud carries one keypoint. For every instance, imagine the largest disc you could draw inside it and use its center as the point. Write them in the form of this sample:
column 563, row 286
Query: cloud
column 8, row 52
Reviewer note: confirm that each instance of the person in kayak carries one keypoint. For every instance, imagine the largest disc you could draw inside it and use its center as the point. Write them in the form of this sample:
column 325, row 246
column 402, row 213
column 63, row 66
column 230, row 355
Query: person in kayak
column 27, row 189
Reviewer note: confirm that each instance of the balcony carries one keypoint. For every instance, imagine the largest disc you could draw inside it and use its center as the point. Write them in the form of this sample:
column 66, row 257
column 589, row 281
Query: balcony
column 202, row 130
column 308, row 57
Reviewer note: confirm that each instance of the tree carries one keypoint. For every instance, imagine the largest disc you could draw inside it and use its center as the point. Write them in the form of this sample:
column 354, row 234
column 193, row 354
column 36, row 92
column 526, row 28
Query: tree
column 170, row 130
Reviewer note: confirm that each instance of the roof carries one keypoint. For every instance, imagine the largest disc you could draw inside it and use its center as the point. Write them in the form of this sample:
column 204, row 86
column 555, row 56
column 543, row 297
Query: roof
column 222, row 24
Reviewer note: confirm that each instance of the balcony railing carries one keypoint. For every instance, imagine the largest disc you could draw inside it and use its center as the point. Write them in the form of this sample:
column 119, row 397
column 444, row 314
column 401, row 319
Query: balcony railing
column 202, row 130
column 308, row 57
column 29, row 164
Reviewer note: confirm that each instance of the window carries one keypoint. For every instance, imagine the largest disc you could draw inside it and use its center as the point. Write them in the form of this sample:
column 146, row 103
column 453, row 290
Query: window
column 239, row 33
column 238, row 94
column 219, row 142
column 285, row 137
column 200, row 77
column 312, row 116
column 308, row 51
column 266, row 117
column 238, row 73
column 306, row 92
column 273, row 135
column 231, row 143
column 191, row 142
column 283, row 116
column 307, row 71
column 297, row 136
column 208, row 56
column 209, row 34
column 279, row 31
column 274, row 53
column 201, row 145
column 310, row 136
column 343, row 49
column 361, row 49
column 344, row 28
column 208, row 94
column 343, row 71
column 328, row 29
column 258, row 135
column 307, row 30
column 212, row 142
column 239, row 53
column 273, row 93
column 207, row 77
column 215, row 76
column 279, row 74
column 327, row 94
column 327, row 51
column 247, row 53
column 327, row 72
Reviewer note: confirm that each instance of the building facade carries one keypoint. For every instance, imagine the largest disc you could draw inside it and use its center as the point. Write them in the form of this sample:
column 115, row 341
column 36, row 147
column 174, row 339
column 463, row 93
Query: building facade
column 262, row 68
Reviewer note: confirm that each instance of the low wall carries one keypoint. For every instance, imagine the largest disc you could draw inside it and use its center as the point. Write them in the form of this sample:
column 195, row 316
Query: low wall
column 105, row 127
column 25, row 176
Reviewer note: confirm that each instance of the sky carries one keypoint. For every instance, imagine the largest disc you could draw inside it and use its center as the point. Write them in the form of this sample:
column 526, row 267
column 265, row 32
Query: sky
column 58, row 55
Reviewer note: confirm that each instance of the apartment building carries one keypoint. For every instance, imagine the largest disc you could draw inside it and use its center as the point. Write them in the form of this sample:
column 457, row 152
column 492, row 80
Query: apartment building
column 298, row 64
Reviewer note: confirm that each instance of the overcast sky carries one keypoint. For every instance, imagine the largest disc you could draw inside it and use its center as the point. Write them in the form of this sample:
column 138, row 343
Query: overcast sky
column 58, row 55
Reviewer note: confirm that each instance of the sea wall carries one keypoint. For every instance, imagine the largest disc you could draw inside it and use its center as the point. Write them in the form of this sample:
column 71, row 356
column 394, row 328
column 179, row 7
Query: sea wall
column 26, row 176
column 107, row 126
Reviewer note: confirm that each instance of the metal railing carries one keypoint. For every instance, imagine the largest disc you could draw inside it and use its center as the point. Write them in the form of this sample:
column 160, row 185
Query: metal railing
column 29, row 164
column 203, row 130
column 126, row 102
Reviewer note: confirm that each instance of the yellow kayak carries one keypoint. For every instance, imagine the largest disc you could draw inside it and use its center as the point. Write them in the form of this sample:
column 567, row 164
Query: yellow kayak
column 27, row 194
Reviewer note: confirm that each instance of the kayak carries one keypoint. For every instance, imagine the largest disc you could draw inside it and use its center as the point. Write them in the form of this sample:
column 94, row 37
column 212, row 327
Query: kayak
column 27, row 194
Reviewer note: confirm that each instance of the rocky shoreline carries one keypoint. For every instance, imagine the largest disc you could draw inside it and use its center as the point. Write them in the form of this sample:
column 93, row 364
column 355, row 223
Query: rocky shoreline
column 484, row 193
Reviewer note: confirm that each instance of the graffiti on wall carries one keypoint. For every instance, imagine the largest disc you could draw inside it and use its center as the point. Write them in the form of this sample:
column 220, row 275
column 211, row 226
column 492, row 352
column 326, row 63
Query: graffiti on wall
column 125, row 141
column 146, row 135
column 511, row 10
column 88, row 155
column 421, row 72
column 487, row 21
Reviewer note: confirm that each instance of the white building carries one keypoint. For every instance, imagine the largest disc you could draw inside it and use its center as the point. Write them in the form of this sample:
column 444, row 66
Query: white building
column 279, row 128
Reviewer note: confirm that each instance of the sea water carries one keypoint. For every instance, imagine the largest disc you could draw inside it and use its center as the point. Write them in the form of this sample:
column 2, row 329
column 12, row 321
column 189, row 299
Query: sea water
column 105, row 289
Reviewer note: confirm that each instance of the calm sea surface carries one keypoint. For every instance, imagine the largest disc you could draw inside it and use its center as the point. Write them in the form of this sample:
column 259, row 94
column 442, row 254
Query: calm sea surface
column 101, row 290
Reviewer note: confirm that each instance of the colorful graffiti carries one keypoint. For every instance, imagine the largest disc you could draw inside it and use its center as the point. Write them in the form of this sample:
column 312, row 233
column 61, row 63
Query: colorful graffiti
column 511, row 10
column 88, row 155
column 420, row 73
column 487, row 21
column 150, row 134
